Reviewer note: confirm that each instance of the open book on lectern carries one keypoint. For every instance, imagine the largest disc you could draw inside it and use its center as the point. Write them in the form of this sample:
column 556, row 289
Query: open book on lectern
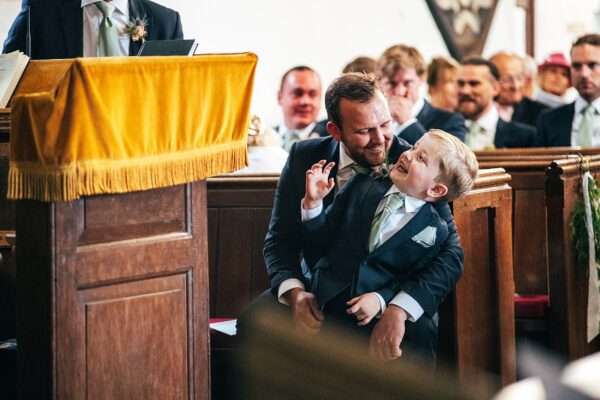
column 179, row 47
column 12, row 66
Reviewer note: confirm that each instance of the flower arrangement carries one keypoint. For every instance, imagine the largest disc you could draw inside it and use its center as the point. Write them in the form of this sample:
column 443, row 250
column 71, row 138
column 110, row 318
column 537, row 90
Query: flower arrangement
column 578, row 228
column 136, row 29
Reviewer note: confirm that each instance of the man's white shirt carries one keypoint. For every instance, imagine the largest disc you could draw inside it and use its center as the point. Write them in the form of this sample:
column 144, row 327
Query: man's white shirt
column 488, row 122
column 92, row 16
column 403, row 215
column 580, row 105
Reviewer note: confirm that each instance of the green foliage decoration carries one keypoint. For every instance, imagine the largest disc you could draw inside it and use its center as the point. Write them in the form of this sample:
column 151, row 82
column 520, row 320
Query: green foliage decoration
column 579, row 230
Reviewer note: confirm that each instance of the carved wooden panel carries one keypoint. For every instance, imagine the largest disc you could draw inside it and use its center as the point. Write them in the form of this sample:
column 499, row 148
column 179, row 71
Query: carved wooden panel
column 120, row 309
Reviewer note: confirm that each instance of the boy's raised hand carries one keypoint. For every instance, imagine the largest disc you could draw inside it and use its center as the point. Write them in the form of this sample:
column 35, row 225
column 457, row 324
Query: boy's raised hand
column 318, row 183
column 364, row 307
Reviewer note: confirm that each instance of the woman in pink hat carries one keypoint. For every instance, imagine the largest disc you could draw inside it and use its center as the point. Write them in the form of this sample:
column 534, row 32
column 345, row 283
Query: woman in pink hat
column 554, row 76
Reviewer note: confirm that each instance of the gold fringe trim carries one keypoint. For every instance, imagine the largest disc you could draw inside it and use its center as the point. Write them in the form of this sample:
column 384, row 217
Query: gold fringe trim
column 66, row 183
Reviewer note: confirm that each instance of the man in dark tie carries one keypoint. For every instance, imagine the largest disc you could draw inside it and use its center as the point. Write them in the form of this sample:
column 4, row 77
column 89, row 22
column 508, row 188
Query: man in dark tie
column 401, row 72
column 577, row 123
column 89, row 28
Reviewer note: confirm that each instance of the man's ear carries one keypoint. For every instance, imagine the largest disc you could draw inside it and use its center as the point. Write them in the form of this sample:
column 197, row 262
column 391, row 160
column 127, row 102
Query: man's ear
column 437, row 191
column 334, row 131
column 279, row 97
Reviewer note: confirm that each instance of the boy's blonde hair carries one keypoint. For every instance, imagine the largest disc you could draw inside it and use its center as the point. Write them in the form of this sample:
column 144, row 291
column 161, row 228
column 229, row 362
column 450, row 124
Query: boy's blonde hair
column 458, row 164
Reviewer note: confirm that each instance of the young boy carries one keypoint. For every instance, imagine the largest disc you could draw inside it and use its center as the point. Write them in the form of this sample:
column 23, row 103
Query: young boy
column 380, row 235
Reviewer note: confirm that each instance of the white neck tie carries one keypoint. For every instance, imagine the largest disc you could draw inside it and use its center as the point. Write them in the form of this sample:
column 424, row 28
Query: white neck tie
column 586, row 127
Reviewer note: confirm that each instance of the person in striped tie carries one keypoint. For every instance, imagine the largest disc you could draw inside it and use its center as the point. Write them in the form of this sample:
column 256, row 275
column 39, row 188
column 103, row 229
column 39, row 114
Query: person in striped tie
column 380, row 235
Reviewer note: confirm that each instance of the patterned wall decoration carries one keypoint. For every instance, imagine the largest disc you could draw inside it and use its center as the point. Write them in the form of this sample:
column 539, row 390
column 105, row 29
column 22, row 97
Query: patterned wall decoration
column 464, row 24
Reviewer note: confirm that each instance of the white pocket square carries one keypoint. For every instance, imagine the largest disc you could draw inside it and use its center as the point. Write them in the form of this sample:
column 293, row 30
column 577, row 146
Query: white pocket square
column 426, row 237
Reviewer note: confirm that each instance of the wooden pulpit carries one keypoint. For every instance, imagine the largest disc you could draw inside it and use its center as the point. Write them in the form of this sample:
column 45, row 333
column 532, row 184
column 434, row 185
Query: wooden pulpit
column 108, row 165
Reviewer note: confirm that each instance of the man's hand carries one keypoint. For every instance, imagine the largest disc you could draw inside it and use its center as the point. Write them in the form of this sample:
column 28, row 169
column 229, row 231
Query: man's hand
column 388, row 333
column 305, row 311
column 318, row 184
column 364, row 307
column 400, row 108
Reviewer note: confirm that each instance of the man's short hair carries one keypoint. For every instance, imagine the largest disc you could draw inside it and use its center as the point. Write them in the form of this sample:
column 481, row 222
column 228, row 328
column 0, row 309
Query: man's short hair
column 354, row 87
column 299, row 68
column 400, row 56
column 593, row 39
column 363, row 64
column 458, row 164
column 480, row 61
column 436, row 68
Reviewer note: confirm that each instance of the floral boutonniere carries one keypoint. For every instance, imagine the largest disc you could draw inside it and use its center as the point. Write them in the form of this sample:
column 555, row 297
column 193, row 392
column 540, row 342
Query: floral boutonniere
column 136, row 29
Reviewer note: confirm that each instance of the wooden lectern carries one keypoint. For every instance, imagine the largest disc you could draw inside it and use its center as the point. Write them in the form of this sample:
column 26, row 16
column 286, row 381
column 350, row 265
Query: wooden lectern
column 113, row 284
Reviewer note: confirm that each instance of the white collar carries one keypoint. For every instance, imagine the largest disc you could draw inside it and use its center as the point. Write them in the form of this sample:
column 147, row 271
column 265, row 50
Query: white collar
column 121, row 5
column 302, row 133
column 488, row 120
column 411, row 204
column 581, row 103
column 418, row 106
column 345, row 159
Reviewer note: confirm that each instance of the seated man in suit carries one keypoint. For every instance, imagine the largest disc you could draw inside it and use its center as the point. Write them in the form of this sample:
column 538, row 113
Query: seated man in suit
column 477, row 87
column 381, row 233
column 90, row 28
column 401, row 71
column 300, row 99
column 577, row 123
column 512, row 104
column 359, row 116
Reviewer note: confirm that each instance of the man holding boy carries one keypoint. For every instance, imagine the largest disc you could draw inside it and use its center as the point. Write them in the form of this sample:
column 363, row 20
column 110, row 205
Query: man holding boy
column 360, row 125
column 382, row 230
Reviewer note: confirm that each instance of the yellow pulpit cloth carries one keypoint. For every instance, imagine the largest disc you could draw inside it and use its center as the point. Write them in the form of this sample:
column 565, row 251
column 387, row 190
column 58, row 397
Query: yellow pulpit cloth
column 112, row 125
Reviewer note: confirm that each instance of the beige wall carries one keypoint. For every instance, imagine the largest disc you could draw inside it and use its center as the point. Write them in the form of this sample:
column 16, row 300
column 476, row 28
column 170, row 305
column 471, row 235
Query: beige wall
column 327, row 34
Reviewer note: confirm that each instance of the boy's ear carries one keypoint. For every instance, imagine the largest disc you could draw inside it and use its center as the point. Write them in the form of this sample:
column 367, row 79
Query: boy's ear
column 437, row 191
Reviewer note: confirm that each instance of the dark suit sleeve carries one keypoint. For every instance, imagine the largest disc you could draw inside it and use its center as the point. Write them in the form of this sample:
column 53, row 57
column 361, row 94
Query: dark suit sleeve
column 283, row 240
column 542, row 133
column 434, row 282
column 178, row 33
column 17, row 34
column 456, row 126
column 412, row 133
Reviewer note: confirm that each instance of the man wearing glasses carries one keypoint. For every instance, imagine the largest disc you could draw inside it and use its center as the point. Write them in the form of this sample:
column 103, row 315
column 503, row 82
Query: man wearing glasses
column 512, row 104
column 401, row 74
column 577, row 123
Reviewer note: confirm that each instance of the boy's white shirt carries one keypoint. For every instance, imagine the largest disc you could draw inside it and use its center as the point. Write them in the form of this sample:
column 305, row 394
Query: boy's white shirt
column 404, row 215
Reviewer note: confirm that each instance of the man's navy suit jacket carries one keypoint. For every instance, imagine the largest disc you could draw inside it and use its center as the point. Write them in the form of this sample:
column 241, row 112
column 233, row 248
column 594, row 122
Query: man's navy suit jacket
column 514, row 134
column 342, row 232
column 283, row 243
column 57, row 27
column 431, row 117
column 527, row 111
column 554, row 126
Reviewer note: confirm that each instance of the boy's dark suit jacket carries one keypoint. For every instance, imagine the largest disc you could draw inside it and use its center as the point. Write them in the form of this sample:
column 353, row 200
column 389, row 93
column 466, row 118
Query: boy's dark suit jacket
column 554, row 126
column 342, row 232
column 57, row 27
column 431, row 117
column 283, row 242
column 527, row 111
column 514, row 134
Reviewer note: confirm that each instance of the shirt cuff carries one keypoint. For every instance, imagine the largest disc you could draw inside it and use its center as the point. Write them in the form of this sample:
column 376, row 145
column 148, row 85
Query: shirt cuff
column 405, row 125
column 286, row 286
column 382, row 305
column 408, row 304
column 310, row 213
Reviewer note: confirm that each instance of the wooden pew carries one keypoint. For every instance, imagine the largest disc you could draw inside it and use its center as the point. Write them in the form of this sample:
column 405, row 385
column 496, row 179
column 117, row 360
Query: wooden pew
column 477, row 322
column 568, row 280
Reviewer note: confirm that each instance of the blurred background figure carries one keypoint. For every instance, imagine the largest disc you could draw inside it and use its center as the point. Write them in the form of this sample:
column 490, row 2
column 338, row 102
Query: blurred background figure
column 441, row 82
column 530, row 70
column 511, row 102
column 300, row 99
column 363, row 64
column 554, row 77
